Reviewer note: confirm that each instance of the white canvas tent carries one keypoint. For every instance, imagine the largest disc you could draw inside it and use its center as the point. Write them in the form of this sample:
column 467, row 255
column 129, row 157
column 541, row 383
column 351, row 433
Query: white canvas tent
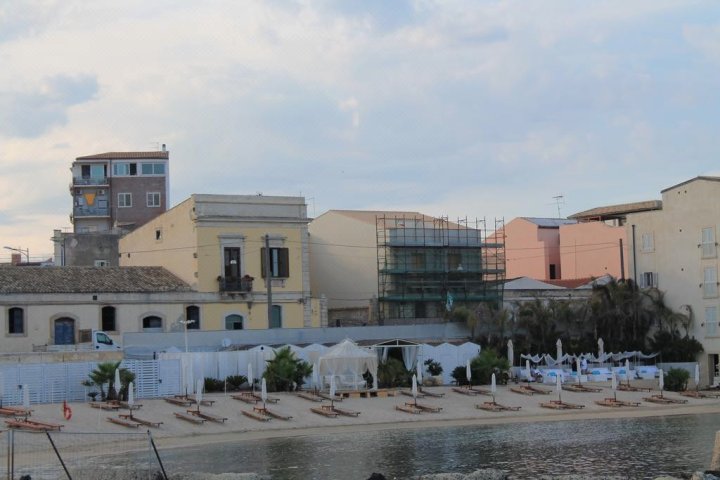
column 347, row 362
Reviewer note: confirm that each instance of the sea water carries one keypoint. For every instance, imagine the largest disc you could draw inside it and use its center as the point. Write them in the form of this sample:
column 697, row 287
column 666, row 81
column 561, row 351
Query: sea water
column 635, row 447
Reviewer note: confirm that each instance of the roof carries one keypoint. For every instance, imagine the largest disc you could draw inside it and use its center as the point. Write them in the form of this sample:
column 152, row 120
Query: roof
column 160, row 155
column 570, row 282
column 527, row 283
column 369, row 216
column 619, row 210
column 89, row 280
column 701, row 177
column 549, row 222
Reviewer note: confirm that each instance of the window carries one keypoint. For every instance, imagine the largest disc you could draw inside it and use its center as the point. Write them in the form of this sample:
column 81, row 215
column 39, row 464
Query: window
column 153, row 169
column 102, row 338
column 232, row 263
column 124, row 200
column 192, row 316
column 648, row 242
column 649, row 280
column 158, row 234
column 553, row 273
column 709, row 248
column 711, row 323
column 279, row 262
column 710, row 286
column 16, row 321
column 124, row 169
column 152, row 323
column 454, row 261
column 101, row 263
column 107, row 319
column 234, row 322
column 153, row 199
column 276, row 319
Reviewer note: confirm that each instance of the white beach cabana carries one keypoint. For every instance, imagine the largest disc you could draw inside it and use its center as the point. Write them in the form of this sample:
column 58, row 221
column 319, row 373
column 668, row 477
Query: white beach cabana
column 347, row 363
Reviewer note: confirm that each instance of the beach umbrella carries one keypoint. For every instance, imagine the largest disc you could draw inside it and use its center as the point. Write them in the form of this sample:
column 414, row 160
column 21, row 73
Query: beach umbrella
column 263, row 391
column 511, row 353
column 199, row 392
column 627, row 370
column 558, row 386
column 601, row 350
column 316, row 375
column 250, row 378
column 116, row 383
column 26, row 396
column 613, row 384
column 493, row 386
column 332, row 389
column 190, row 375
column 419, row 373
column 131, row 395
column 661, row 381
column 697, row 377
column 558, row 344
column 528, row 373
column 468, row 372
column 579, row 369
column 414, row 387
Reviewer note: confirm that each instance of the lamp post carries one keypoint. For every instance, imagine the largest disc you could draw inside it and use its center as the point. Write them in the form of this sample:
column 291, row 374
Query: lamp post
column 186, row 323
column 25, row 252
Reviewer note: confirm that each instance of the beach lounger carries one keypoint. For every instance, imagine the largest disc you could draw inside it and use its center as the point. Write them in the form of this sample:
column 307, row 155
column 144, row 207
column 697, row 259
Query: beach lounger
column 324, row 412
column 424, row 408
column 496, row 407
column 20, row 411
column 11, row 412
column 408, row 393
column 624, row 387
column 189, row 418
column 147, row 423
column 408, row 408
column 124, row 422
column 664, row 400
column 207, row 416
column 574, row 387
column 465, row 391
column 481, row 391
column 245, row 398
column 310, row 396
column 336, row 398
column 698, row 394
column 256, row 416
column 178, row 401
column 611, row 402
column 558, row 405
column 33, row 425
column 270, row 413
column 126, row 406
column 346, row 413
column 111, row 407
column 430, row 393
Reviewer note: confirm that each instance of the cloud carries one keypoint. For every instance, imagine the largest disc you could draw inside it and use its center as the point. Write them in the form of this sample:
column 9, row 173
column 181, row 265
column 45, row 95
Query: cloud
column 31, row 114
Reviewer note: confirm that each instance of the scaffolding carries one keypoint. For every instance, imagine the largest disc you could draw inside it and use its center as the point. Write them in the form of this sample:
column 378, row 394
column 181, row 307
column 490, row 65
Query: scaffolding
column 428, row 264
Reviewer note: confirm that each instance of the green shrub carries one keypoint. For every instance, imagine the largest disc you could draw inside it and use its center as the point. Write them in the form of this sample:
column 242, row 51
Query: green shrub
column 676, row 379
column 214, row 385
column 674, row 348
column 459, row 375
column 392, row 373
column 482, row 367
column 234, row 382
column 286, row 372
column 434, row 368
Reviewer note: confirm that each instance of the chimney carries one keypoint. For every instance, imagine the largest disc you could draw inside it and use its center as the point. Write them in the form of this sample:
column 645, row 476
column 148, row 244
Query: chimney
column 15, row 259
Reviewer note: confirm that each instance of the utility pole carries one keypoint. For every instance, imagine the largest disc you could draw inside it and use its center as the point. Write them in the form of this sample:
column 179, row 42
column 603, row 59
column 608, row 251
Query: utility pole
column 622, row 262
column 268, row 279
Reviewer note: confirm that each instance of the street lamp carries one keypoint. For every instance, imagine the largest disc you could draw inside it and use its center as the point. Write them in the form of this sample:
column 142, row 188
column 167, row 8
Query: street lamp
column 25, row 252
column 186, row 323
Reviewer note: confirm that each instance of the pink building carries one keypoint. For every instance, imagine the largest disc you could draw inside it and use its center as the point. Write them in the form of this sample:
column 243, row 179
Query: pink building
column 592, row 249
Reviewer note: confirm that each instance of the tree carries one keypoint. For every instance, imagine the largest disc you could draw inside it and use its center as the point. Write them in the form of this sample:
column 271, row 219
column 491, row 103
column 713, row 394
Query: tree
column 464, row 315
column 286, row 372
column 105, row 373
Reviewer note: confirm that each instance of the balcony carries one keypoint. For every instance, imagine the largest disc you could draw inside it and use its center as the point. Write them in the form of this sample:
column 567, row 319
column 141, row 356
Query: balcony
column 94, row 181
column 90, row 212
column 233, row 284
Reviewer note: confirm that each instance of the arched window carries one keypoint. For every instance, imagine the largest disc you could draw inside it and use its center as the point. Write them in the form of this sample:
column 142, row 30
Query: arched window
column 16, row 321
column 192, row 315
column 152, row 323
column 107, row 320
column 234, row 322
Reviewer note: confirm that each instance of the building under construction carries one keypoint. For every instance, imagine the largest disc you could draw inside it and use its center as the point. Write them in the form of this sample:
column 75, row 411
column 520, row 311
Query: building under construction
column 427, row 265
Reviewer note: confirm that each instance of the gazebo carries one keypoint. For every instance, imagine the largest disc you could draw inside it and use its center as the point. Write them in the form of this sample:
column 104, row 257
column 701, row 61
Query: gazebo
column 347, row 363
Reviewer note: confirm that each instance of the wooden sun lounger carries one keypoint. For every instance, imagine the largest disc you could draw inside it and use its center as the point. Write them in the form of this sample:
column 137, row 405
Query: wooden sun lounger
column 11, row 412
column 178, row 401
column 245, row 398
column 111, row 407
column 346, row 413
column 522, row 390
column 408, row 409
column 429, row 393
column 33, row 425
column 126, row 406
column 207, row 416
column 496, row 407
column 270, row 413
column 611, row 402
column 465, row 391
column 337, row 398
column 574, row 387
column 256, row 416
column 481, row 391
column 189, row 418
column 698, row 394
column 310, row 396
column 664, row 400
column 249, row 397
column 624, row 387
column 424, row 408
column 408, row 393
column 147, row 423
column 324, row 412
column 558, row 405
column 124, row 422
column 26, row 412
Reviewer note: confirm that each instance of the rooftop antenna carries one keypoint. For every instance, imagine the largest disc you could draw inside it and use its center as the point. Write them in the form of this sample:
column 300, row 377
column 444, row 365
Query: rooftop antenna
column 559, row 200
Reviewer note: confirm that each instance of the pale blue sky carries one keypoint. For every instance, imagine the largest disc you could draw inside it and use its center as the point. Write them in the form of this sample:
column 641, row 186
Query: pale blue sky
column 477, row 108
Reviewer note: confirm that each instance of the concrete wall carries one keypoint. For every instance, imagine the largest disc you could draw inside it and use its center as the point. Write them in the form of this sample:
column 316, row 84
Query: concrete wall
column 83, row 249
column 530, row 250
column 591, row 249
column 138, row 186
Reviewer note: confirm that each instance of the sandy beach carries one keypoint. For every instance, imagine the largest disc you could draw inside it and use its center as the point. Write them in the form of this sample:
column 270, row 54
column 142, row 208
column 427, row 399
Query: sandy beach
column 377, row 413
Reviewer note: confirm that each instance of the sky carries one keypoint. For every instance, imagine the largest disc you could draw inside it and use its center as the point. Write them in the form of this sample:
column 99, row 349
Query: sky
column 471, row 108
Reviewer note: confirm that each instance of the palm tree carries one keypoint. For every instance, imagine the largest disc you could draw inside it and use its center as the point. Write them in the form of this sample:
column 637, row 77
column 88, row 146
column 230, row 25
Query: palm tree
column 286, row 371
column 105, row 373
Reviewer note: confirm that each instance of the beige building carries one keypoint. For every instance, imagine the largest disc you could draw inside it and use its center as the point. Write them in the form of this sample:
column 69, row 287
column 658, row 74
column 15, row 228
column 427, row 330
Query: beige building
column 675, row 249
column 43, row 306
column 217, row 244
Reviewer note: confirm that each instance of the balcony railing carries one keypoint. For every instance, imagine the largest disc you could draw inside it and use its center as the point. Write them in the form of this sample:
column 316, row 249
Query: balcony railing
column 90, row 181
column 230, row 284
column 90, row 212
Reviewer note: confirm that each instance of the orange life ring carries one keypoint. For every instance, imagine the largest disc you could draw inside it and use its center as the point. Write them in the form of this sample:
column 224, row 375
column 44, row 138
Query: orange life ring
column 67, row 411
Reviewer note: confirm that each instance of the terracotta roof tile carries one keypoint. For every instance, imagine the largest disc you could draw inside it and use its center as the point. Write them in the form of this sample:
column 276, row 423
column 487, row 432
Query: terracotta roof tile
column 126, row 156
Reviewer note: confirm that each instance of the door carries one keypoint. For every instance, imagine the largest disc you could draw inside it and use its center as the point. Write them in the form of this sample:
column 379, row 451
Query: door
column 64, row 331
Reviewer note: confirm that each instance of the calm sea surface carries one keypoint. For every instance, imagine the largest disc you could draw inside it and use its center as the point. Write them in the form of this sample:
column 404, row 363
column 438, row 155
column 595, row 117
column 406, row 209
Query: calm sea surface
column 639, row 448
